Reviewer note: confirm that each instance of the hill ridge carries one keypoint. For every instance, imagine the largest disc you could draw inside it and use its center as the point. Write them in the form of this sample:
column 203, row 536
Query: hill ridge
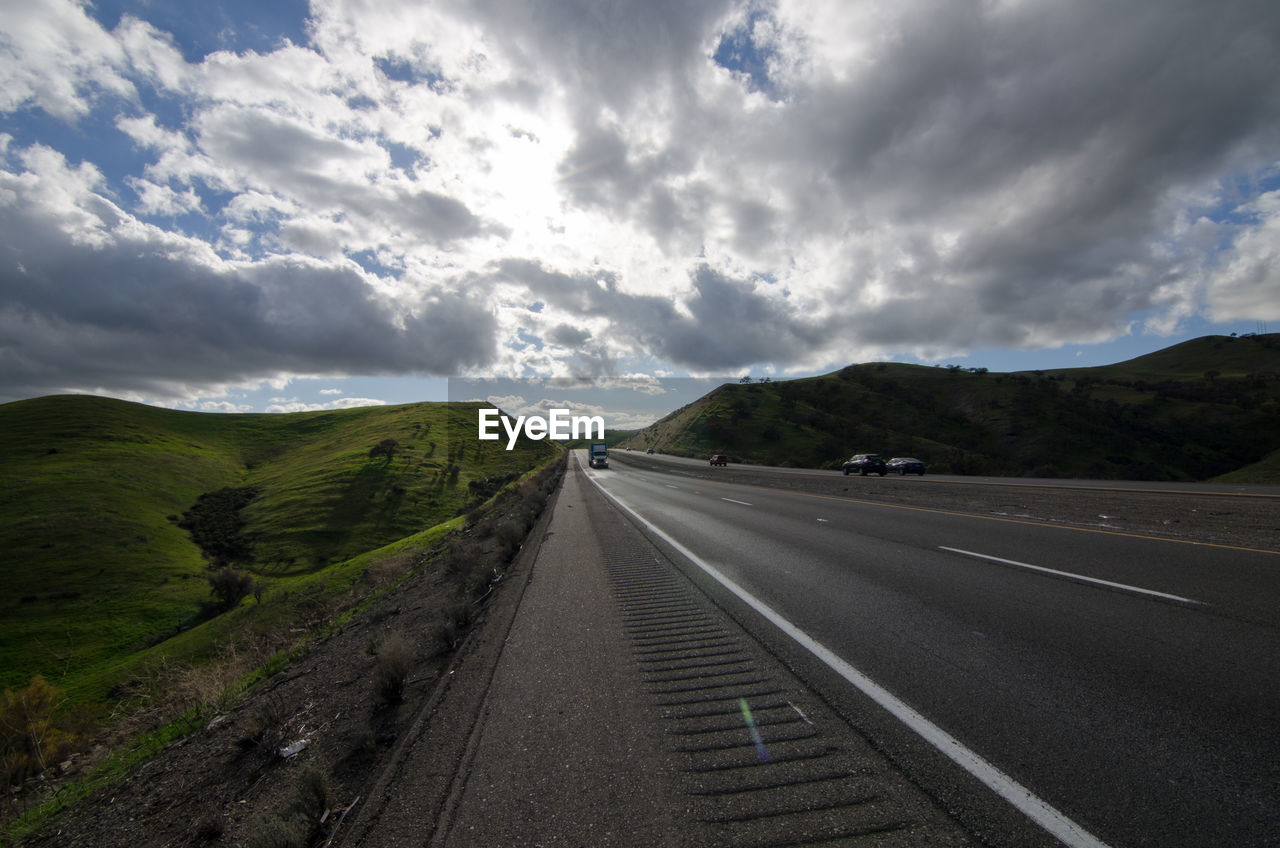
column 1197, row 410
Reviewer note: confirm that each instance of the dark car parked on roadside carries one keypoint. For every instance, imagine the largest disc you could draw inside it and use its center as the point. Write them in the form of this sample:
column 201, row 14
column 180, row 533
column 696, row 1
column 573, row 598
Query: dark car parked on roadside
column 905, row 465
column 719, row 459
column 866, row 463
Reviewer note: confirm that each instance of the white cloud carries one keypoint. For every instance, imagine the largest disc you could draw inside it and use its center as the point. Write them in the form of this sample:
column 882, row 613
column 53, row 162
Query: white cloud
column 153, row 55
column 154, row 199
column 1246, row 287
column 55, row 57
column 224, row 406
column 280, row 405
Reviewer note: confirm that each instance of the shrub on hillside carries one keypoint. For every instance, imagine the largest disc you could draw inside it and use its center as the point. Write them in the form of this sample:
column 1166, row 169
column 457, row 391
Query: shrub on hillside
column 395, row 660
column 265, row 726
column 31, row 736
column 216, row 524
column 230, row 587
column 484, row 488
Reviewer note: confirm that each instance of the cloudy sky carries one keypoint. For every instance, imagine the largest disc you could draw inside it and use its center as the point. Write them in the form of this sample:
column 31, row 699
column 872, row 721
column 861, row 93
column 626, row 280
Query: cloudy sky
column 275, row 205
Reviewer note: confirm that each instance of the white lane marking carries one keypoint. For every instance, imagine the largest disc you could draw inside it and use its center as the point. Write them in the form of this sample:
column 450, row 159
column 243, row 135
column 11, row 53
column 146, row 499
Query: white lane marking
column 731, row 500
column 1079, row 577
column 1058, row 825
column 824, row 521
column 669, row 486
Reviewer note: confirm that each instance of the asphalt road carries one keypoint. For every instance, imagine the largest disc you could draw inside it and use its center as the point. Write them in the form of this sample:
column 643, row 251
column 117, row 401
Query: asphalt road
column 700, row 464
column 1132, row 684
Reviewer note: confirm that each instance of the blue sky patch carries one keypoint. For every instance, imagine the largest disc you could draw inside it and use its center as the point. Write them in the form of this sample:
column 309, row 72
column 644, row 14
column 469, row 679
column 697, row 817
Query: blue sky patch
column 201, row 28
column 400, row 69
column 739, row 52
column 368, row 260
column 403, row 156
column 529, row 339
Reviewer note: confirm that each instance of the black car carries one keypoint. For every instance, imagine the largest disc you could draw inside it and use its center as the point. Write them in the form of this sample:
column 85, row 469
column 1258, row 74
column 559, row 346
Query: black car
column 866, row 463
column 905, row 465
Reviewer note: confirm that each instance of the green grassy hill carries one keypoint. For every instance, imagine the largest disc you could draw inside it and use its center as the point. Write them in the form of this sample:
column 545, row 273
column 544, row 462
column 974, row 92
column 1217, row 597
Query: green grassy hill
column 95, row 566
column 1194, row 411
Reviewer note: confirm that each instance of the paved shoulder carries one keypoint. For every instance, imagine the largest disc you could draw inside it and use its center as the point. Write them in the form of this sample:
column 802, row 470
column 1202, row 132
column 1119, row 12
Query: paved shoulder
column 565, row 755
column 625, row 709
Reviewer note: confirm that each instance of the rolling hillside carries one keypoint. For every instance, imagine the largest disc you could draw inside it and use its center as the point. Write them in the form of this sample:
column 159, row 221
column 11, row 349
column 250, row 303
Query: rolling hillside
column 97, row 498
column 1194, row 411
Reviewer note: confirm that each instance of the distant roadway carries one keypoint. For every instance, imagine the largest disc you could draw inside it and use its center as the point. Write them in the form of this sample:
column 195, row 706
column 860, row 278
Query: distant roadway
column 1130, row 684
column 1196, row 488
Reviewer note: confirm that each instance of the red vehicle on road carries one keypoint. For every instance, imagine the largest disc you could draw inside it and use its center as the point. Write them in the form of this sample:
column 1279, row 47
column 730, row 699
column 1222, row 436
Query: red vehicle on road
column 719, row 459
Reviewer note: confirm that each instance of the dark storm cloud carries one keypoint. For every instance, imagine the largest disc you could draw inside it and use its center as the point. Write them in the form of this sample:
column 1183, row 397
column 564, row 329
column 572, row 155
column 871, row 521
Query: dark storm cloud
column 734, row 324
column 1058, row 143
column 602, row 171
column 607, row 54
column 730, row 323
column 961, row 100
column 138, row 311
column 328, row 174
column 568, row 336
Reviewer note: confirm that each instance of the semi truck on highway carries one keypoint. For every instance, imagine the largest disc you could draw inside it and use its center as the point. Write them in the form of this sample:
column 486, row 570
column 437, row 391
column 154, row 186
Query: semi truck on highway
column 598, row 455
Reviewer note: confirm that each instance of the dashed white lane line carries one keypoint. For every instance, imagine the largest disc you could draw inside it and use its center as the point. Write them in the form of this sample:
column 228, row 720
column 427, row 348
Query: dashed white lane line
column 1079, row 577
column 731, row 500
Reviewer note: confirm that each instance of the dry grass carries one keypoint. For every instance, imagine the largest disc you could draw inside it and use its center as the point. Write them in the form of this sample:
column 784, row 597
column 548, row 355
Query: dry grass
column 391, row 570
column 266, row 724
column 394, row 660
column 33, row 735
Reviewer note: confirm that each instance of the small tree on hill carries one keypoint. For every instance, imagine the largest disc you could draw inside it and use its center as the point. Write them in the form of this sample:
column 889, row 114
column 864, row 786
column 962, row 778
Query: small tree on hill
column 387, row 448
column 230, row 587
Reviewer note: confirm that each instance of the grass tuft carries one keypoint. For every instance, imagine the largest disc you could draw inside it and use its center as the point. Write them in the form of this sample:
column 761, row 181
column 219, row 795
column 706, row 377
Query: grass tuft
column 266, row 725
column 393, row 662
column 270, row 830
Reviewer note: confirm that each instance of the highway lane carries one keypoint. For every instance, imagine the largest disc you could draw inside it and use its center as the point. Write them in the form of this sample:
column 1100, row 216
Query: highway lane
column 700, row 464
column 1143, row 704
